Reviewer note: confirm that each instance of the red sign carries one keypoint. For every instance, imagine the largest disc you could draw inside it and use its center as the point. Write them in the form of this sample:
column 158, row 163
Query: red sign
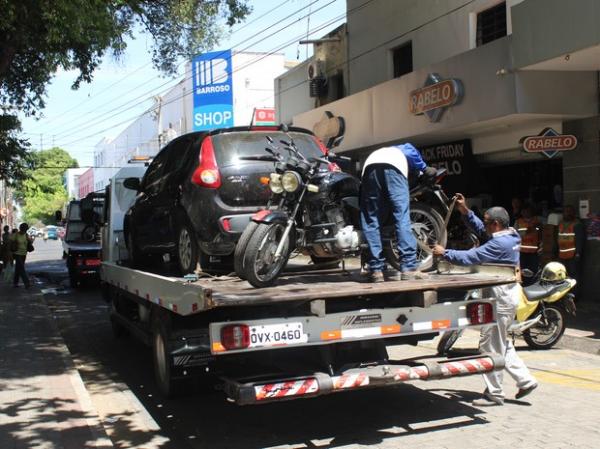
column 539, row 144
column 264, row 116
column 434, row 96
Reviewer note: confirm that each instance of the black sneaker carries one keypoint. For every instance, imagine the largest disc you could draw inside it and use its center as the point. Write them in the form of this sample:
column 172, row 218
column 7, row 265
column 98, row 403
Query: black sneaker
column 525, row 391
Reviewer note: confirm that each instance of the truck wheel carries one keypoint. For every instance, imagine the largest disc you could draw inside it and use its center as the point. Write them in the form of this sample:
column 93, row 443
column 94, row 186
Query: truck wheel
column 187, row 248
column 240, row 249
column 161, row 356
column 428, row 228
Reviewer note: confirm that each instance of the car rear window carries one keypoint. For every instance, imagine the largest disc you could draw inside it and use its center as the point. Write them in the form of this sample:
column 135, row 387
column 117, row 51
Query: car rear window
column 230, row 146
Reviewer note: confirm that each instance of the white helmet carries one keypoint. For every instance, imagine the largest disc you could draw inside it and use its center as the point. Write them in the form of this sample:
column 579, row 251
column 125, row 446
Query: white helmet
column 554, row 272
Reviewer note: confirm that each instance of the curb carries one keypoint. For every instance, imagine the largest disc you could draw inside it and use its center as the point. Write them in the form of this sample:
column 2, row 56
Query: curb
column 92, row 417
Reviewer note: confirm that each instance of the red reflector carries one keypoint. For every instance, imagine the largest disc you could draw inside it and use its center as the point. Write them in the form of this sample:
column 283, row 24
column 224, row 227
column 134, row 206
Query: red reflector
column 333, row 167
column 92, row 262
column 226, row 223
column 261, row 214
column 480, row 312
column 235, row 336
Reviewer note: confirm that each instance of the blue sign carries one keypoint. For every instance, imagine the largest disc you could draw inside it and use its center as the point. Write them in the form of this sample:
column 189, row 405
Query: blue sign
column 213, row 90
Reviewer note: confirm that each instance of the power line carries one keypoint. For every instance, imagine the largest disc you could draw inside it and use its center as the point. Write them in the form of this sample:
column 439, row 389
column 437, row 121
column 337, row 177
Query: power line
column 254, row 61
column 67, row 133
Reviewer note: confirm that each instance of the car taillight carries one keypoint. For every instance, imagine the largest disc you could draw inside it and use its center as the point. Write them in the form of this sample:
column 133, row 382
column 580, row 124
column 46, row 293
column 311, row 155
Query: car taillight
column 235, row 336
column 480, row 312
column 207, row 173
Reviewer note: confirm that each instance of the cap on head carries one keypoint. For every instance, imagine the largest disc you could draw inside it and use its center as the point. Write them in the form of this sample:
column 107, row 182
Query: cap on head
column 498, row 214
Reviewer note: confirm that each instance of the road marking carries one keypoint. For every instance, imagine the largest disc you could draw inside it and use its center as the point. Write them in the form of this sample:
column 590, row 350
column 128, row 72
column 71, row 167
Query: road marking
column 586, row 379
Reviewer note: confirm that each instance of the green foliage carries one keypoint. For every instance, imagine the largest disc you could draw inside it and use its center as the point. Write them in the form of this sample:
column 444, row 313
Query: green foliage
column 39, row 37
column 14, row 156
column 43, row 192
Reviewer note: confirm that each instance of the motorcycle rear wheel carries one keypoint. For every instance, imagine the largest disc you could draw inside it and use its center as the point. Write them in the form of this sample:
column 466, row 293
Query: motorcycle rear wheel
column 259, row 267
column 428, row 228
column 548, row 331
column 240, row 249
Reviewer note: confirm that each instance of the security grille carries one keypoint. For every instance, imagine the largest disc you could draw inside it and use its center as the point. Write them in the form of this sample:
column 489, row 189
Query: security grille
column 491, row 24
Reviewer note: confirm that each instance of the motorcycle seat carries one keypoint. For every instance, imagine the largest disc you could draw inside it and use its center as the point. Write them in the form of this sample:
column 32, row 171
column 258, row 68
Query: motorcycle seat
column 538, row 291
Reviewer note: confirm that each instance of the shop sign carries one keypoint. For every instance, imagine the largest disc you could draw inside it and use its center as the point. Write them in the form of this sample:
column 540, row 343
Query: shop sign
column 436, row 95
column 457, row 158
column 213, row 90
column 549, row 142
column 264, row 116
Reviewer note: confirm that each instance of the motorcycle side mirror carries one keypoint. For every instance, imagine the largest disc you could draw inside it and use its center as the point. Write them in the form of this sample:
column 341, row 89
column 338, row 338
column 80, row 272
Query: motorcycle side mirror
column 132, row 183
column 336, row 142
column 527, row 273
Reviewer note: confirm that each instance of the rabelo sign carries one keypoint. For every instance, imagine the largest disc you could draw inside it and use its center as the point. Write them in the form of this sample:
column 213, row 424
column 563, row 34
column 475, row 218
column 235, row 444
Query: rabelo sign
column 549, row 142
column 436, row 95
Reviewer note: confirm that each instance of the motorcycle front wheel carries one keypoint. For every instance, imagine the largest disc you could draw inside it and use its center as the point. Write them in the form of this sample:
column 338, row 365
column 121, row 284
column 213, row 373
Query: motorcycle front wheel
column 548, row 330
column 428, row 228
column 260, row 267
column 446, row 342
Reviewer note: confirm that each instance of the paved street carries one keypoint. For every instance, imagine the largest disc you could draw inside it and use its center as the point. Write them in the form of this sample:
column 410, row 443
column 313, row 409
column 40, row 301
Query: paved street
column 118, row 375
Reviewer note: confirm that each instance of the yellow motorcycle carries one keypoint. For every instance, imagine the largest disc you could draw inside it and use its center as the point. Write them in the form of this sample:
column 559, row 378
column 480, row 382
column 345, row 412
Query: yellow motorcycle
column 542, row 311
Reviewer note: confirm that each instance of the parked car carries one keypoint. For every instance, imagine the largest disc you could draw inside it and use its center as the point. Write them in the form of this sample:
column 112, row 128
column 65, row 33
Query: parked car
column 198, row 195
column 52, row 232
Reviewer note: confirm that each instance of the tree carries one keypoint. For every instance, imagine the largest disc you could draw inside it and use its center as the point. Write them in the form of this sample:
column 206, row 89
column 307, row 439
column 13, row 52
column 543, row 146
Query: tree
column 39, row 37
column 14, row 156
column 43, row 192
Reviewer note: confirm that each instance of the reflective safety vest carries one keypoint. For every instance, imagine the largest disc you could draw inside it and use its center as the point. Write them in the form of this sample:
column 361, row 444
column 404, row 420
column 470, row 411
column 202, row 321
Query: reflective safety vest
column 566, row 240
column 529, row 230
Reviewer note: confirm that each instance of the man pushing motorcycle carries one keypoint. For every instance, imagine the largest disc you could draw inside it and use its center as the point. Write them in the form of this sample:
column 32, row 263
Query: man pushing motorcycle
column 501, row 247
column 384, row 187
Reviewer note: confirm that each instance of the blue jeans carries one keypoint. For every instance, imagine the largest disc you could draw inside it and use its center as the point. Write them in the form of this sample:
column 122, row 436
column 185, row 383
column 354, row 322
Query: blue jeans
column 383, row 189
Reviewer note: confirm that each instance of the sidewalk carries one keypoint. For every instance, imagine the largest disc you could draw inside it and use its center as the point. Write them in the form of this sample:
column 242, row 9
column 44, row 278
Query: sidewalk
column 43, row 402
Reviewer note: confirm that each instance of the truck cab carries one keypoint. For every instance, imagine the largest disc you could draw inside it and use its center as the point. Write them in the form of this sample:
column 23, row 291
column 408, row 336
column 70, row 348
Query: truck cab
column 81, row 243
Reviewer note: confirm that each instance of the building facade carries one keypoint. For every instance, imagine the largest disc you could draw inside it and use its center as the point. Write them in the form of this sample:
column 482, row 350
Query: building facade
column 85, row 183
column 172, row 114
column 505, row 94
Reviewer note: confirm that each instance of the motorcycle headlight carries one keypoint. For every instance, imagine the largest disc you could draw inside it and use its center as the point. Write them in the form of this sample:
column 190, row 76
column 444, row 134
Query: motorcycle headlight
column 290, row 181
column 275, row 183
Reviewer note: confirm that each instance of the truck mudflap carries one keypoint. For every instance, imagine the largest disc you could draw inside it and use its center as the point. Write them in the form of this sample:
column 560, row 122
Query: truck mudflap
column 372, row 376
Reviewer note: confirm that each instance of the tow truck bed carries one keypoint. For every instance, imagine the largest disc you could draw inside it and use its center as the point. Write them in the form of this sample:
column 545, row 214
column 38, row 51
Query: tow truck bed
column 185, row 298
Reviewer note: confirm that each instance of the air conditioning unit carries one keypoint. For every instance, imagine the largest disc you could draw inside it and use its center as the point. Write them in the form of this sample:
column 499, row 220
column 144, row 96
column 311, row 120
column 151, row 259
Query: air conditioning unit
column 314, row 69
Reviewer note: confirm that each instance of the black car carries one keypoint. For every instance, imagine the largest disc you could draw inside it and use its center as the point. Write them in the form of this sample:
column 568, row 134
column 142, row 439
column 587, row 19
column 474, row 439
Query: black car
column 198, row 195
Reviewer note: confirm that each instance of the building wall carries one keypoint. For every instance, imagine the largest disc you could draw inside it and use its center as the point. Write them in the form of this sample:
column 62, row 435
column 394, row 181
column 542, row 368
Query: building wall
column 86, row 183
column 72, row 181
column 439, row 31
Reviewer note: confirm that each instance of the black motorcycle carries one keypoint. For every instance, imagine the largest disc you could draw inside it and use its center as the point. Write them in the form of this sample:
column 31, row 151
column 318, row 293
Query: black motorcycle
column 316, row 212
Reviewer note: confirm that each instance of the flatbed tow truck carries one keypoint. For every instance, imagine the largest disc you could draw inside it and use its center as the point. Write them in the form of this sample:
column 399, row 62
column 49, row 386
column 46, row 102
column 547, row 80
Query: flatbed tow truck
column 316, row 332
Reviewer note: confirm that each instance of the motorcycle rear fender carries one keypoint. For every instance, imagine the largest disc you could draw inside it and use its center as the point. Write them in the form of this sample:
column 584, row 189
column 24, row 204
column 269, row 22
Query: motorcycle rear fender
column 560, row 294
column 270, row 216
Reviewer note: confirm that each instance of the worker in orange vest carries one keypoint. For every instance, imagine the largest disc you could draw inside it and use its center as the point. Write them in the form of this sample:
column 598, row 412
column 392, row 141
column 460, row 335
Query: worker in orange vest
column 530, row 230
column 571, row 238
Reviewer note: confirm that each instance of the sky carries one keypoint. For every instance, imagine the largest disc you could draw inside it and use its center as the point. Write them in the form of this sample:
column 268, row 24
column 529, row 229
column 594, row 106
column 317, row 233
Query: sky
column 122, row 90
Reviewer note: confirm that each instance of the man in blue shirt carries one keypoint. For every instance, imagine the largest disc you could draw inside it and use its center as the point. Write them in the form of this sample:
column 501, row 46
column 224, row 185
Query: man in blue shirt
column 502, row 247
column 385, row 187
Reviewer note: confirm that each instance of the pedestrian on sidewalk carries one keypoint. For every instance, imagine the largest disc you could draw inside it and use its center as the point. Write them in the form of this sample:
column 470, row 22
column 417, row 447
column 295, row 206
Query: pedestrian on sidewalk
column 502, row 247
column 6, row 255
column 384, row 188
column 571, row 239
column 19, row 245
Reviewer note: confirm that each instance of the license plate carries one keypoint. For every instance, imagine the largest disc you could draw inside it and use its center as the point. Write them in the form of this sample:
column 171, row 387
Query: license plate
column 277, row 335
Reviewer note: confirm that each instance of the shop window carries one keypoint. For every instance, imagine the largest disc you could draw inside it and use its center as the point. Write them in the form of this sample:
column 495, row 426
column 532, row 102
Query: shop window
column 403, row 59
column 491, row 24
column 336, row 86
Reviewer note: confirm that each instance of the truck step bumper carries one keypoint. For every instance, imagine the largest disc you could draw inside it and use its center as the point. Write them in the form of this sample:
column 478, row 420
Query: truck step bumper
column 317, row 384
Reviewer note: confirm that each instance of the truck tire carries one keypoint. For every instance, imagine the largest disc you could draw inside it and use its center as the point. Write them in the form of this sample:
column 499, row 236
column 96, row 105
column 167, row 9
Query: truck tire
column 240, row 249
column 161, row 357
column 187, row 248
column 428, row 227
